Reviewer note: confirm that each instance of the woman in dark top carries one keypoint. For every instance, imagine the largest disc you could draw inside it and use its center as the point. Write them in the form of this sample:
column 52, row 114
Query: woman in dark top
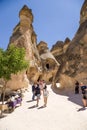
column 37, row 94
column 84, row 94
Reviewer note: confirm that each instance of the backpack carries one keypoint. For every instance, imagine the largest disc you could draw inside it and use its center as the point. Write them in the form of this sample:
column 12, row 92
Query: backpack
column 37, row 91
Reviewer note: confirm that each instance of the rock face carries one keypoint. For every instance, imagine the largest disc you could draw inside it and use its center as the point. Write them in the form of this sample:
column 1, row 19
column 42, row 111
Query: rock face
column 49, row 63
column 25, row 36
column 59, row 49
column 74, row 60
column 83, row 12
column 65, row 63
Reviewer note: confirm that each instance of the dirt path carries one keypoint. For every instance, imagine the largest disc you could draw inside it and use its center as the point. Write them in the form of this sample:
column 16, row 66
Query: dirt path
column 62, row 113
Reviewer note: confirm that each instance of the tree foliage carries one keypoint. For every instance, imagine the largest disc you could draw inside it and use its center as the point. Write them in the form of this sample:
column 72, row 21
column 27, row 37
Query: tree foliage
column 12, row 61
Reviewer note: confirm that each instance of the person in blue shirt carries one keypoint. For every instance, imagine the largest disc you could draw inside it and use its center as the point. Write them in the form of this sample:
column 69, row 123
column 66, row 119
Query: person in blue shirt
column 33, row 91
column 84, row 94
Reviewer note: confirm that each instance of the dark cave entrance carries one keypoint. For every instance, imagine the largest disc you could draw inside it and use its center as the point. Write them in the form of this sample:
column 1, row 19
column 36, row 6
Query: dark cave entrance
column 47, row 66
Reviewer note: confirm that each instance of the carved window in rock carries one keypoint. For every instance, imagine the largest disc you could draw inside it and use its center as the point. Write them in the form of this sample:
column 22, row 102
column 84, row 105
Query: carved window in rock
column 47, row 66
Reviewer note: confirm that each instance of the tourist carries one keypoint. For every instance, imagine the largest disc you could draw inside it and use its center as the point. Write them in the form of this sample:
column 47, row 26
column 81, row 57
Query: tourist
column 41, row 85
column 33, row 90
column 45, row 95
column 44, row 83
column 37, row 93
column 76, row 87
column 84, row 94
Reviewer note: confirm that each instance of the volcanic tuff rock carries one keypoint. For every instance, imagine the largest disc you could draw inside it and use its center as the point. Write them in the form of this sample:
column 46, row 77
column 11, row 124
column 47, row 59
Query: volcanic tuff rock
column 59, row 49
column 74, row 60
column 49, row 63
column 23, row 36
column 40, row 68
column 69, row 62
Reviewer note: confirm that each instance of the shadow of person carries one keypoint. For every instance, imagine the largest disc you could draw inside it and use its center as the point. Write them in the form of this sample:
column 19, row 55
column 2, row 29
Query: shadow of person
column 3, row 116
column 75, row 98
column 41, row 107
column 34, row 106
column 81, row 109
column 31, row 100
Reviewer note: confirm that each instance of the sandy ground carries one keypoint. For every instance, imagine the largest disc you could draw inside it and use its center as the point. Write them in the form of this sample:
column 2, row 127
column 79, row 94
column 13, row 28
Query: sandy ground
column 61, row 113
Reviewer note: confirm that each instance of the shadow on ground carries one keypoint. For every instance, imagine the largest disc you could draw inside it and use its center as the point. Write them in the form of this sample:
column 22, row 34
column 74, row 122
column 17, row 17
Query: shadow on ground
column 41, row 107
column 81, row 109
column 75, row 98
column 3, row 116
column 31, row 100
column 34, row 106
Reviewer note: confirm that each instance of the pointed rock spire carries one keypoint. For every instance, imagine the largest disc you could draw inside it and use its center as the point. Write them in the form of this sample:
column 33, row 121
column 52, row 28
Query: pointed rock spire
column 83, row 12
column 25, row 11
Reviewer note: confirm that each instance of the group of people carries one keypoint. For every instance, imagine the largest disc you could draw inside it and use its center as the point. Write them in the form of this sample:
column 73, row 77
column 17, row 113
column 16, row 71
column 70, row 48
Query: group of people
column 40, row 88
column 84, row 92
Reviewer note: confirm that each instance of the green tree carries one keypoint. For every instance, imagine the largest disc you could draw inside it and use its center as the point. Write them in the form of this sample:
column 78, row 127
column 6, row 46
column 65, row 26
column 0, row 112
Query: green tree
column 12, row 61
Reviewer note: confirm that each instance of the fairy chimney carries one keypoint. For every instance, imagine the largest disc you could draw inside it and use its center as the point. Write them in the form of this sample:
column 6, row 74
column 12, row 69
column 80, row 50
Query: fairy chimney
column 83, row 12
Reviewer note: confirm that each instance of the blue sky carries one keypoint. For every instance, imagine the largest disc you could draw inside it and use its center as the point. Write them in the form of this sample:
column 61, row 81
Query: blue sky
column 54, row 20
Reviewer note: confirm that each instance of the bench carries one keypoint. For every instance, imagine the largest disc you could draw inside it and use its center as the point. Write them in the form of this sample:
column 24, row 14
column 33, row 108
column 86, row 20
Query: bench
column 14, row 103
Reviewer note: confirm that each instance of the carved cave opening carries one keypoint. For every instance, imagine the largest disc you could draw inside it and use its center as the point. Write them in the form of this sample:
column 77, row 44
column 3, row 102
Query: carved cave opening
column 47, row 66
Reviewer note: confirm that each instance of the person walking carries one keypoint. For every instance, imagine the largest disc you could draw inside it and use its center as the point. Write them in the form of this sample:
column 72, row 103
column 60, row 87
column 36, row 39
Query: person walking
column 76, row 87
column 33, row 91
column 45, row 95
column 37, row 94
column 84, row 94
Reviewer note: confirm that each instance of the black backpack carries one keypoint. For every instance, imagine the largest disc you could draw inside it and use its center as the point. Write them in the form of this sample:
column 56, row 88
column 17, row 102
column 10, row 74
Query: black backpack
column 83, row 89
column 37, row 91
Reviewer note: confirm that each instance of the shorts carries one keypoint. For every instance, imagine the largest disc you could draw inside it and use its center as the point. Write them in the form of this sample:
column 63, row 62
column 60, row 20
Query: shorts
column 38, row 96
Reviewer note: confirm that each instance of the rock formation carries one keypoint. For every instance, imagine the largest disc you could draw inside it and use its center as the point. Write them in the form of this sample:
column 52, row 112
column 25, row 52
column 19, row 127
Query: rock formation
column 74, row 60
column 25, row 36
column 65, row 63
column 59, row 49
column 83, row 12
column 49, row 63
